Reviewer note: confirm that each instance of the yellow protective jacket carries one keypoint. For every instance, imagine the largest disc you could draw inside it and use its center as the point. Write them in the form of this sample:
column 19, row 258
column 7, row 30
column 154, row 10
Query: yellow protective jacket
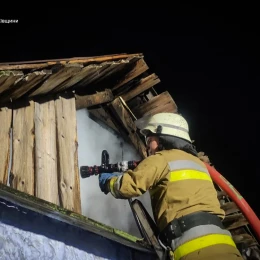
column 178, row 183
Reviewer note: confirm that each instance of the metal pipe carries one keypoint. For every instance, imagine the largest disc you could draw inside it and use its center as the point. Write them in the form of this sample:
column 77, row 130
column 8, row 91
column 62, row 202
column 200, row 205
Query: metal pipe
column 225, row 185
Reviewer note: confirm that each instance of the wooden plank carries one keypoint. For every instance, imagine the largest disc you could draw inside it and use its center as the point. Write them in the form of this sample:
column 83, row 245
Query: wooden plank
column 46, row 176
column 58, row 213
column 245, row 239
column 101, row 116
column 99, row 98
column 116, row 70
column 29, row 82
column 139, row 68
column 56, row 79
column 114, row 67
column 5, row 130
column 25, row 85
column 234, row 221
column 22, row 172
column 40, row 64
column 86, row 72
column 90, row 78
column 2, row 78
column 230, row 207
column 8, row 79
column 158, row 104
column 141, row 87
column 69, row 187
column 126, row 121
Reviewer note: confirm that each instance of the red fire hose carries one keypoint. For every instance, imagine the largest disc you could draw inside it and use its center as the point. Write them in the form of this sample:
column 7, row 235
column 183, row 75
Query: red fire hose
column 226, row 186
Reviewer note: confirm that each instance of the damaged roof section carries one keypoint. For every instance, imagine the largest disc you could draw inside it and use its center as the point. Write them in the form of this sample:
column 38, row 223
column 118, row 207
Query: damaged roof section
column 125, row 75
column 21, row 80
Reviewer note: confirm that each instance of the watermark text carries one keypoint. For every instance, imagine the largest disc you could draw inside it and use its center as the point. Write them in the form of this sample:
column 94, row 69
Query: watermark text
column 8, row 20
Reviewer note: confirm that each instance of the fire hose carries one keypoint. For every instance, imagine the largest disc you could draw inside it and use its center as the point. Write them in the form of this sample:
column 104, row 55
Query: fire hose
column 226, row 186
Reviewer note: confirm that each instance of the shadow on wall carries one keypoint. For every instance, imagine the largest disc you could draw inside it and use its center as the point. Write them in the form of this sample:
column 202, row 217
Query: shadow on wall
column 93, row 139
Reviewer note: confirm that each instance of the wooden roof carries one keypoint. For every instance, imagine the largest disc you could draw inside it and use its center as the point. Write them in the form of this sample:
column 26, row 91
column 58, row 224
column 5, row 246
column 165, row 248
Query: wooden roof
column 119, row 72
column 37, row 78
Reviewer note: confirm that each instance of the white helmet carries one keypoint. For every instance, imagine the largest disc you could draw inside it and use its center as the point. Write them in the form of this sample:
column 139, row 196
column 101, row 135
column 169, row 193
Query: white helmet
column 164, row 123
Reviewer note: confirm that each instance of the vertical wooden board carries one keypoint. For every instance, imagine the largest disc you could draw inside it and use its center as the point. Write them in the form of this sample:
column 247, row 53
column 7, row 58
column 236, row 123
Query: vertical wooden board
column 67, row 145
column 5, row 119
column 46, row 178
column 22, row 173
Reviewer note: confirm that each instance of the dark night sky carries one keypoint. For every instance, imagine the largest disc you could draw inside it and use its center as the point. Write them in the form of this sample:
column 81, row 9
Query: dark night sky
column 206, row 57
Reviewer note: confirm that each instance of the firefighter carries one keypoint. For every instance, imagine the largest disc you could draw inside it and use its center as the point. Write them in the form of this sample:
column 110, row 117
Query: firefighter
column 183, row 198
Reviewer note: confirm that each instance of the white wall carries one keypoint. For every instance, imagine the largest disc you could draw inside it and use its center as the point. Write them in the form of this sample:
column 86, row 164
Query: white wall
column 92, row 139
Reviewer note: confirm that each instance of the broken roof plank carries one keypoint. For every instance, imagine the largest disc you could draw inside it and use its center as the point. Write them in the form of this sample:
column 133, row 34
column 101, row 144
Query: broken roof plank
column 234, row 221
column 143, row 85
column 25, row 85
column 139, row 68
column 64, row 73
column 125, row 119
column 55, row 212
column 161, row 103
column 85, row 72
column 85, row 101
column 40, row 64
column 115, row 67
column 8, row 79
column 104, row 72
column 99, row 68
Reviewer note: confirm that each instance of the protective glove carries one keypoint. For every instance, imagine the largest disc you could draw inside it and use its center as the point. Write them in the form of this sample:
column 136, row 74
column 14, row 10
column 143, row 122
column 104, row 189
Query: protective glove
column 104, row 181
